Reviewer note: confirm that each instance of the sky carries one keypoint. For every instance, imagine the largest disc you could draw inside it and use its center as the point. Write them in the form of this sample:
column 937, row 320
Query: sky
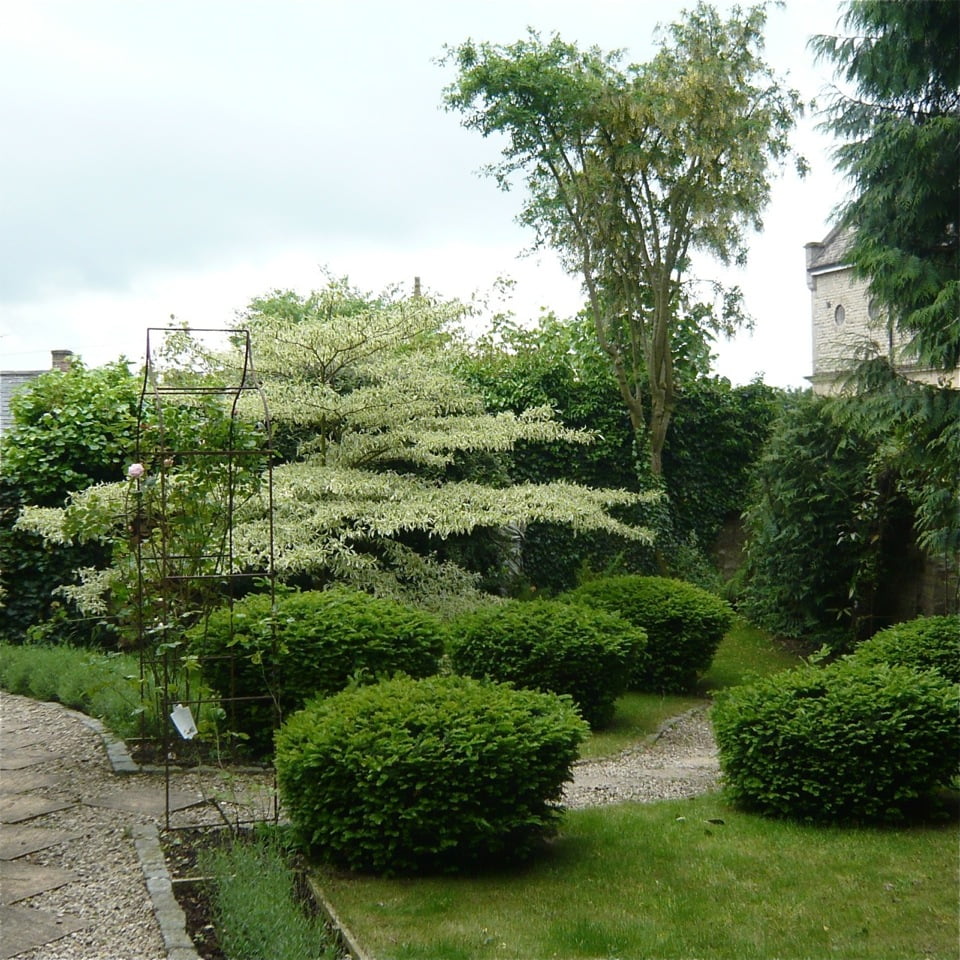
column 176, row 158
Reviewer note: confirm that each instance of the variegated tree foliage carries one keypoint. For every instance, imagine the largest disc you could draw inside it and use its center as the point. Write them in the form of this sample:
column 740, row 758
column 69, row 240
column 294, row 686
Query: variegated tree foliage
column 367, row 387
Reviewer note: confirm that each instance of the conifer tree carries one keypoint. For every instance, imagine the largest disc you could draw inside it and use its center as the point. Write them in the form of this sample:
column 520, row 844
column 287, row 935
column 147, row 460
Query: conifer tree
column 898, row 123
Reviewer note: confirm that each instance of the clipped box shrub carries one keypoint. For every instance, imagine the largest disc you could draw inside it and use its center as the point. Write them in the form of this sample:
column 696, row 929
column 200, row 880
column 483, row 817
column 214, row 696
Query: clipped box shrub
column 846, row 742
column 419, row 775
column 927, row 643
column 323, row 640
column 547, row 645
column 684, row 625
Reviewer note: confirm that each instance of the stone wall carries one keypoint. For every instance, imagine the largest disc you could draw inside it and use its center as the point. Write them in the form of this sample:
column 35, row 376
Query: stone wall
column 918, row 586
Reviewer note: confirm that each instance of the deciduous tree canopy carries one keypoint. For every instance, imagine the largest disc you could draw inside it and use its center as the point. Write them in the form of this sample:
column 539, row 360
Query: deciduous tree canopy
column 629, row 169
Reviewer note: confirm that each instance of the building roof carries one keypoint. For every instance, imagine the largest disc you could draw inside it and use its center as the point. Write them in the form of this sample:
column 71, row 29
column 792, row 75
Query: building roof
column 831, row 252
column 13, row 380
column 10, row 382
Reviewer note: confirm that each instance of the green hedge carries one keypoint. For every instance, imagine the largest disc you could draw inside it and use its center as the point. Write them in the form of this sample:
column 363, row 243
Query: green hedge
column 552, row 646
column 443, row 773
column 313, row 643
column 684, row 625
column 927, row 643
column 847, row 742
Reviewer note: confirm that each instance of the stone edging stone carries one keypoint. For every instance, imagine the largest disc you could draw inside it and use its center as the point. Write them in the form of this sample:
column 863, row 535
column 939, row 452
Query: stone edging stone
column 170, row 916
column 146, row 838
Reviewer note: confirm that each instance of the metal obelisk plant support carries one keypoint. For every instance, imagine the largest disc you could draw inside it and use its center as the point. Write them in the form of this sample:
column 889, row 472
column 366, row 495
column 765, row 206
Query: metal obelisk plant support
column 201, row 452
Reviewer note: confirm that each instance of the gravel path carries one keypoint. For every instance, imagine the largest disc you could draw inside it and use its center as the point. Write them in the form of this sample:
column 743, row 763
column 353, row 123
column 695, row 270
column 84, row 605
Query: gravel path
column 109, row 891
column 681, row 761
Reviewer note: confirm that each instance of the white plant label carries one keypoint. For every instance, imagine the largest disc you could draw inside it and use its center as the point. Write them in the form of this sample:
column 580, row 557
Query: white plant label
column 183, row 720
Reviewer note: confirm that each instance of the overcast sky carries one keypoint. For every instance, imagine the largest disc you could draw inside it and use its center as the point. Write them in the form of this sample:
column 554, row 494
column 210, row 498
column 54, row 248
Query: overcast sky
column 183, row 156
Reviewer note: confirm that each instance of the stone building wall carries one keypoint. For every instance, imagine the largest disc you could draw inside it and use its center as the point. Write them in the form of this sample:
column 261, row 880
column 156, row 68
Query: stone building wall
column 10, row 382
column 846, row 324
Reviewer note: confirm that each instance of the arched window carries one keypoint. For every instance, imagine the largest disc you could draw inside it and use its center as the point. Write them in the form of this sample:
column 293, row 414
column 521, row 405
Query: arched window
column 839, row 315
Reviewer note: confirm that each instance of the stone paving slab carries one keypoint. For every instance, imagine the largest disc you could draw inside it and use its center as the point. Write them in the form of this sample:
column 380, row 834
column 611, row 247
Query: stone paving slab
column 18, row 808
column 20, row 879
column 13, row 726
column 150, row 801
column 27, row 780
column 21, row 759
column 24, row 928
column 17, row 841
column 23, row 737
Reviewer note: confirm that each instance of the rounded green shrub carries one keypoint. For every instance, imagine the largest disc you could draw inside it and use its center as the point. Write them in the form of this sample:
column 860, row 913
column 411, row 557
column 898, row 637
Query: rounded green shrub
column 310, row 644
column 927, row 643
column 846, row 742
column 436, row 774
column 684, row 625
column 552, row 646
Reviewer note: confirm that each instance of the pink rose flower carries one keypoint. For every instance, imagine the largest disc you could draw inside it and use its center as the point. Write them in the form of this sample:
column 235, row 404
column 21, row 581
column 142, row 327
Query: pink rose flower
column 136, row 470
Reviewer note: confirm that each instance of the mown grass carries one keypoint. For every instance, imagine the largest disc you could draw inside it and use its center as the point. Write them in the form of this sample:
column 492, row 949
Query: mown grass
column 745, row 652
column 661, row 881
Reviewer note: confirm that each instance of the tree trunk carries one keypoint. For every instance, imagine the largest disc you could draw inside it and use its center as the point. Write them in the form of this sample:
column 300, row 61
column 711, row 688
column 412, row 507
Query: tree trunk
column 659, row 423
column 660, row 371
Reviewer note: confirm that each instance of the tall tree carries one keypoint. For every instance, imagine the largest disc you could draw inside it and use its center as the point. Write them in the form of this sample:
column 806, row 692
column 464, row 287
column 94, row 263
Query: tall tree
column 899, row 123
column 899, row 126
column 629, row 169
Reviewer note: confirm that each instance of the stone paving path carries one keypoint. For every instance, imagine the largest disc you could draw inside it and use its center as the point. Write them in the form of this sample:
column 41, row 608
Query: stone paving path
column 54, row 820
column 75, row 883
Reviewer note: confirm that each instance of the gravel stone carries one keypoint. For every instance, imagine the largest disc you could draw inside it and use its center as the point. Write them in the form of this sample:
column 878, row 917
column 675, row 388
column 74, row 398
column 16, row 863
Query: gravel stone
column 679, row 761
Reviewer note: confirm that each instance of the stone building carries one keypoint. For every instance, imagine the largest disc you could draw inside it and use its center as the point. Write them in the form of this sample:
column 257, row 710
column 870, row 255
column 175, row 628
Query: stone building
column 847, row 324
column 13, row 380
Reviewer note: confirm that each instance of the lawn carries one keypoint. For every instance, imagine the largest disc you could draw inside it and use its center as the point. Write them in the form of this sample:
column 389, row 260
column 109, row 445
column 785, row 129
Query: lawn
column 638, row 881
column 662, row 881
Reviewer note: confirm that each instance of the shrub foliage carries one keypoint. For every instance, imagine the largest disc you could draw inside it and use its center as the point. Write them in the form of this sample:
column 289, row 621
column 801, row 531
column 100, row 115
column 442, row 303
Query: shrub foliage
column 829, row 525
column 684, row 625
column 70, row 430
column 847, row 742
column 442, row 773
column 309, row 644
column 927, row 643
column 716, row 436
column 548, row 645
